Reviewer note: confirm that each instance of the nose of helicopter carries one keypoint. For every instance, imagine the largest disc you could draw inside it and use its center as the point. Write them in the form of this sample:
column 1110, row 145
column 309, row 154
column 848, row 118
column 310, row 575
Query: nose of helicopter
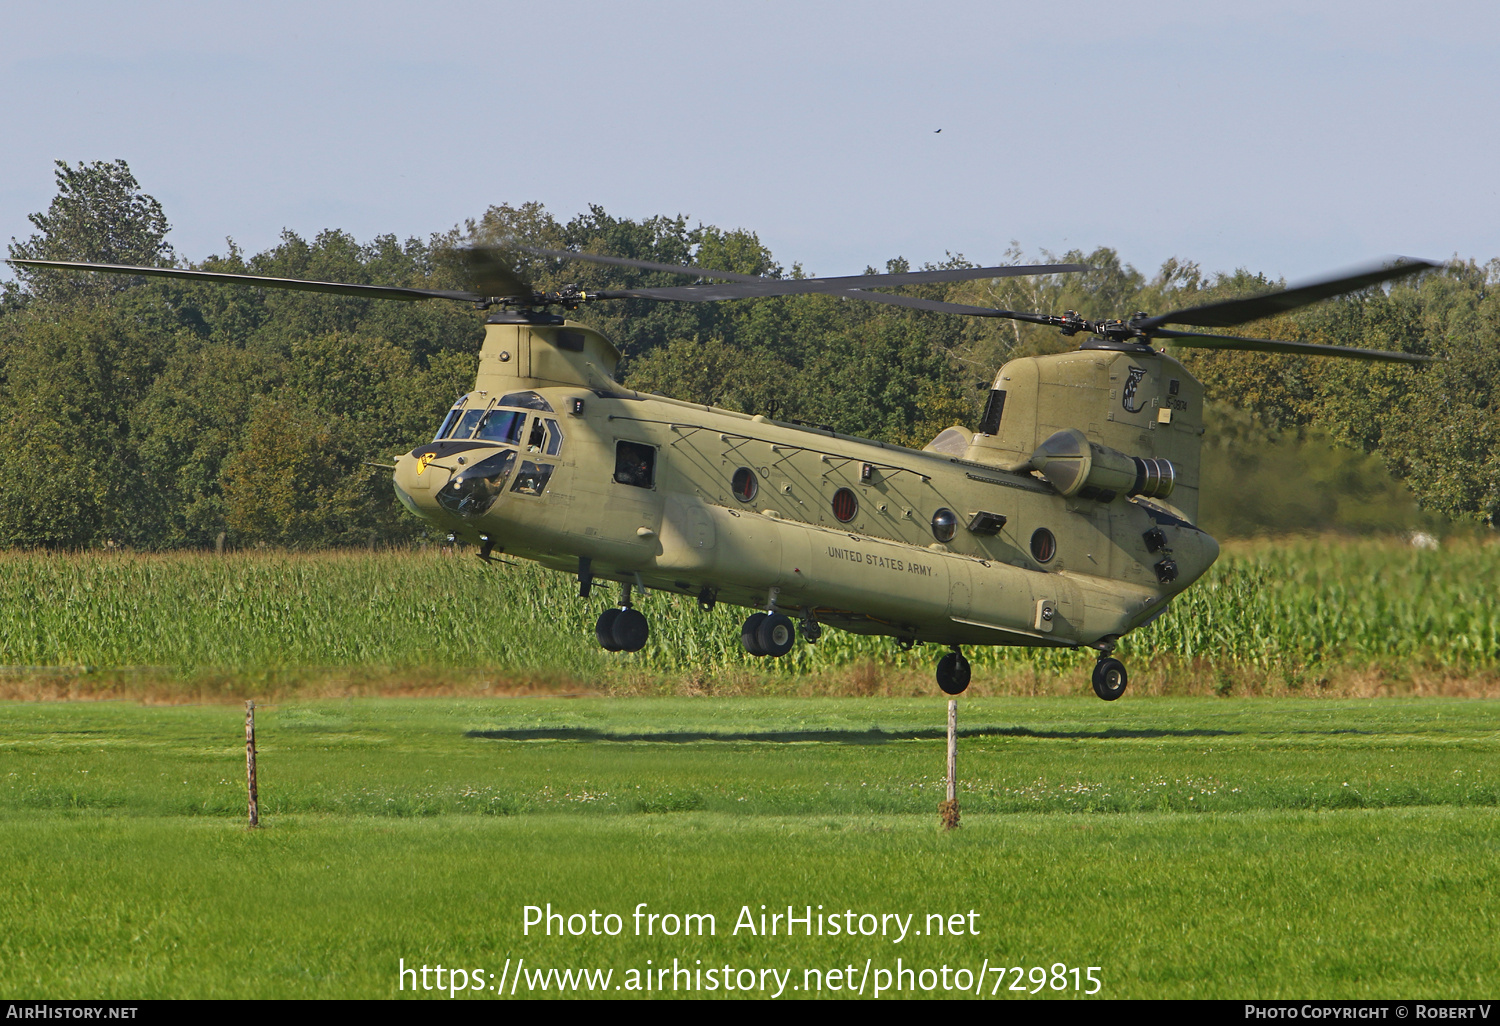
column 417, row 483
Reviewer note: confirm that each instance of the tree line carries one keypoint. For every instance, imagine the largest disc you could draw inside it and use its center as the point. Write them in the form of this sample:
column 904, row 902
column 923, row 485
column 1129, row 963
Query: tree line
column 157, row 414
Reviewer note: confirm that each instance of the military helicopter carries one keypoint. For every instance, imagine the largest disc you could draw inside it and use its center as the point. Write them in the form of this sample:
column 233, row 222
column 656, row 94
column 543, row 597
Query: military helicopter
column 1067, row 519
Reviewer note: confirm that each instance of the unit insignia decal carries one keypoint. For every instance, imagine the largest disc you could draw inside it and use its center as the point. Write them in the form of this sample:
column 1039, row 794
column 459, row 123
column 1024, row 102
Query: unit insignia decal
column 1128, row 395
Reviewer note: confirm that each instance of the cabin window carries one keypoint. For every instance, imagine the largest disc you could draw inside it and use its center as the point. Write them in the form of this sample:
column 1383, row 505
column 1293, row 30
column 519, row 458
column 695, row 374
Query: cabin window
column 635, row 464
column 944, row 525
column 845, row 505
column 526, row 400
column 532, row 480
column 1043, row 545
column 502, row 426
column 744, row 484
column 537, row 438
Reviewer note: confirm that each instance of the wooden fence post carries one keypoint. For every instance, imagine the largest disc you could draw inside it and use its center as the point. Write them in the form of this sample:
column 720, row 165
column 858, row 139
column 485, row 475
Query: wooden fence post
column 250, row 762
column 949, row 809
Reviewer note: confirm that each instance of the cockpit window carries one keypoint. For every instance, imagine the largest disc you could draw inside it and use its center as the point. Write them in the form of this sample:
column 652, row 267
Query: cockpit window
column 532, row 480
column 466, row 425
column 472, row 492
column 502, row 426
column 526, row 400
column 554, row 437
column 449, row 421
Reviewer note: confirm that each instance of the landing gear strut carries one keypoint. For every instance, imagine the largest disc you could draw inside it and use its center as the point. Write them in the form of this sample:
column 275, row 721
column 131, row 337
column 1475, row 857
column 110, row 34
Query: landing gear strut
column 953, row 673
column 1110, row 678
column 624, row 629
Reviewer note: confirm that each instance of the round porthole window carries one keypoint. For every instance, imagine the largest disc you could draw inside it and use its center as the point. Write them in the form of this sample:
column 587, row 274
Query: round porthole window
column 944, row 525
column 1043, row 545
column 744, row 484
column 845, row 505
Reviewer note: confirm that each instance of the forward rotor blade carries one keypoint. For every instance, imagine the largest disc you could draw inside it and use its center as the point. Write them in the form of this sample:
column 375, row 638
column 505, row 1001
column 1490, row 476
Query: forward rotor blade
column 259, row 281
column 490, row 270
column 792, row 286
column 1238, row 311
column 646, row 265
column 1270, row 345
column 850, row 285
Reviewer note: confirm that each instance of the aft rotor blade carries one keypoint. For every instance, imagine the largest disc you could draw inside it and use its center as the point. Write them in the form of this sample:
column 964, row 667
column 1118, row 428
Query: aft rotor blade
column 260, row 281
column 1272, row 345
column 1238, row 311
column 940, row 307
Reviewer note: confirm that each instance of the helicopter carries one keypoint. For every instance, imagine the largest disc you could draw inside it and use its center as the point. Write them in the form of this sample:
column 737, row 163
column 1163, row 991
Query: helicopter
column 1066, row 519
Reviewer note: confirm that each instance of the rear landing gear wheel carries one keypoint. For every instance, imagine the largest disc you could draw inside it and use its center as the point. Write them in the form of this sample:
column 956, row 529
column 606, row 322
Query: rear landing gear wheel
column 750, row 634
column 1110, row 679
column 775, row 635
column 630, row 630
column 953, row 673
column 604, row 630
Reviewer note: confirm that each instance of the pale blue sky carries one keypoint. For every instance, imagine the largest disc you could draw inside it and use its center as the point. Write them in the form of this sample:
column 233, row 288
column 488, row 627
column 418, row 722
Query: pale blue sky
column 1291, row 138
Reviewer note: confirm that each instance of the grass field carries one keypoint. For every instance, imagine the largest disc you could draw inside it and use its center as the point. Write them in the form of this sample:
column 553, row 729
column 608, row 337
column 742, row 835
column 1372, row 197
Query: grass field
column 1247, row 822
column 1242, row 847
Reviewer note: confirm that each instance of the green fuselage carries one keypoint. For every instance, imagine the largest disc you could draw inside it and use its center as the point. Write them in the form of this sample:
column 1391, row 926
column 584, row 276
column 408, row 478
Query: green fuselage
column 550, row 459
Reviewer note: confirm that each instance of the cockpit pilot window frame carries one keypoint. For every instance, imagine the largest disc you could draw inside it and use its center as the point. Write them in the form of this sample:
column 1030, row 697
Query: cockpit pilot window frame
column 554, row 436
column 503, row 427
column 464, row 427
column 448, row 422
column 532, row 478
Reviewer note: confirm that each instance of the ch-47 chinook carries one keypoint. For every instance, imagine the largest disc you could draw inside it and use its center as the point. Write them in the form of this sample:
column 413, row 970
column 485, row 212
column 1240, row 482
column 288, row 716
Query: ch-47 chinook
column 1067, row 519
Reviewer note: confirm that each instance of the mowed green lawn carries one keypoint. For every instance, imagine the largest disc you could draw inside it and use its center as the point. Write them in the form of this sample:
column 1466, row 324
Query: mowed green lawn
column 1191, row 847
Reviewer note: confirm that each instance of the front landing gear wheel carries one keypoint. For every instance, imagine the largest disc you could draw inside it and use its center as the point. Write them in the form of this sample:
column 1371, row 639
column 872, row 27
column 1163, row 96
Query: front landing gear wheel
column 775, row 635
column 1110, row 679
column 953, row 673
column 604, row 630
column 630, row 630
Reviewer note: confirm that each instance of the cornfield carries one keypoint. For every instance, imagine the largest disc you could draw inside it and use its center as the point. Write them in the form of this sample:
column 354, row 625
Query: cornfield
column 1305, row 603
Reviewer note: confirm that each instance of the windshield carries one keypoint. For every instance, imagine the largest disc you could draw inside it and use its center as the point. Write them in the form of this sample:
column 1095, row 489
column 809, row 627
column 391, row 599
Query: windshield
column 466, row 424
column 502, row 426
column 451, row 419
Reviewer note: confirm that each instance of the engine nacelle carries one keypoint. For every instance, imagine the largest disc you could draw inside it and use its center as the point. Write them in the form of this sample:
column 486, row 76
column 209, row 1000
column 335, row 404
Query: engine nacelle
column 1076, row 466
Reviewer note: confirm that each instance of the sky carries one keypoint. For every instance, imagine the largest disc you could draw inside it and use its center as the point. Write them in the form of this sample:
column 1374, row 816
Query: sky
column 1288, row 138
